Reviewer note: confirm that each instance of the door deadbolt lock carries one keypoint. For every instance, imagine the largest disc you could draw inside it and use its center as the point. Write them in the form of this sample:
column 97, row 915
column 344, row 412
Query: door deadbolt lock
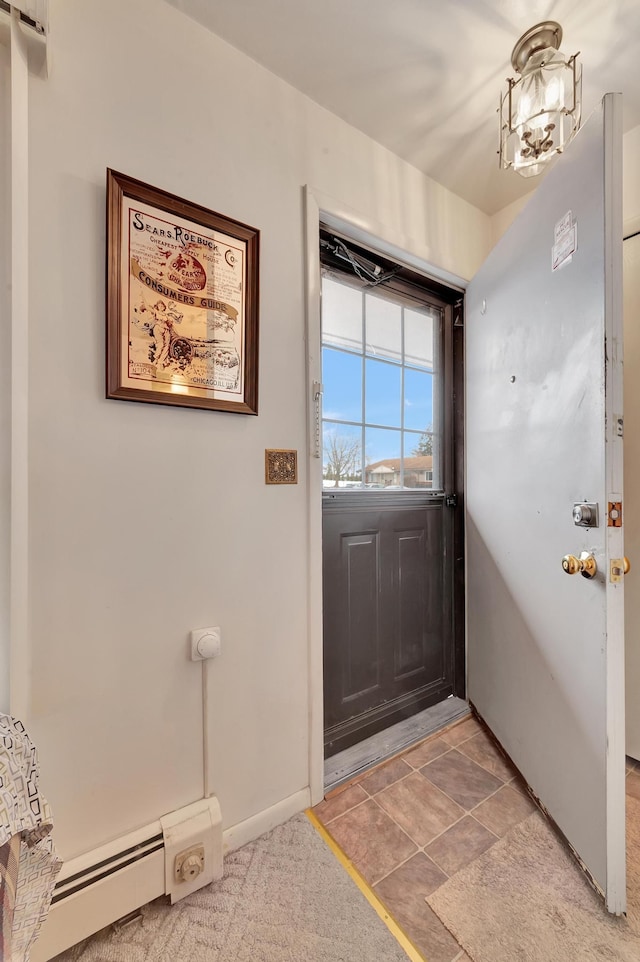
column 585, row 564
column 585, row 515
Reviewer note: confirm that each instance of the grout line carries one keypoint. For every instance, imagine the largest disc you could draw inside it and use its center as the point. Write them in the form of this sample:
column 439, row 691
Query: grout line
column 444, row 831
column 401, row 751
column 360, row 779
column 466, row 811
column 489, row 830
column 419, row 768
column 391, row 784
column 400, row 936
column 488, row 797
column 348, row 865
column 422, row 848
column 404, row 832
column 408, row 859
column 336, row 817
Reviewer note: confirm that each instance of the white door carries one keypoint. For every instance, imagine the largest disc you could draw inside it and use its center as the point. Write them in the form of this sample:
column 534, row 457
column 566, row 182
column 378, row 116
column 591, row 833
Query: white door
column 544, row 410
column 631, row 288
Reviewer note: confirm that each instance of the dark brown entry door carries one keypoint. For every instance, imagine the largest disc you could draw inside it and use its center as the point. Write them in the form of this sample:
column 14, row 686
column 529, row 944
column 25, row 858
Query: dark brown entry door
column 387, row 612
column 393, row 575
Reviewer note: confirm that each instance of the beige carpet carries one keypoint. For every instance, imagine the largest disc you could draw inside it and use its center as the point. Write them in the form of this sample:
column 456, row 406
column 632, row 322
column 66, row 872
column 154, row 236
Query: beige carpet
column 525, row 900
column 284, row 898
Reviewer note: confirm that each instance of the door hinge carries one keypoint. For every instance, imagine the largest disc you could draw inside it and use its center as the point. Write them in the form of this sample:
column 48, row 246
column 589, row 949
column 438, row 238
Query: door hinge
column 451, row 500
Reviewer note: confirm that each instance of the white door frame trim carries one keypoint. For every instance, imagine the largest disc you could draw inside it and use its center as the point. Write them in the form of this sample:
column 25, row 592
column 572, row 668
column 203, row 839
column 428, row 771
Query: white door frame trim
column 615, row 693
column 320, row 207
column 19, row 652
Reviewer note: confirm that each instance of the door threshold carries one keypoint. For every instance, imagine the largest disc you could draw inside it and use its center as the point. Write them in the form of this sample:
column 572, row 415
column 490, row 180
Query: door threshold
column 377, row 748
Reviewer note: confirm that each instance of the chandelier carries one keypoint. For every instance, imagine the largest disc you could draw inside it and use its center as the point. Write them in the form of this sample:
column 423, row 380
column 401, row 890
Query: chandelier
column 540, row 112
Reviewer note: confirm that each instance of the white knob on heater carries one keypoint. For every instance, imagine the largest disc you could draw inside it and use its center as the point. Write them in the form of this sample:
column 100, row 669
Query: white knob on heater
column 191, row 868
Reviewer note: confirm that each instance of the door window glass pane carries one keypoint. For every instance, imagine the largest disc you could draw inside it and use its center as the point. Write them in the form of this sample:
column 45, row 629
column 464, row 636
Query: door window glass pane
column 342, row 380
column 383, row 393
column 418, row 460
column 382, row 402
column 418, row 337
column 341, row 315
column 417, row 444
column 418, row 400
column 341, row 456
column 422, row 458
column 382, row 457
column 383, row 321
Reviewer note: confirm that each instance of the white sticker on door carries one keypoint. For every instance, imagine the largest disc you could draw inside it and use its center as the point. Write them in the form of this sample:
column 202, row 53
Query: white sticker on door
column 564, row 247
column 564, row 224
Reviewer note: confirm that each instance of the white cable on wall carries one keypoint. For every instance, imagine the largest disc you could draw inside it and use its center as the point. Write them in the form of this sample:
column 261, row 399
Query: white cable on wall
column 205, row 729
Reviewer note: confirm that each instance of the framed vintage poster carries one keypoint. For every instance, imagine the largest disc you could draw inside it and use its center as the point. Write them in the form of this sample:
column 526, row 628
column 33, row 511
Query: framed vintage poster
column 182, row 301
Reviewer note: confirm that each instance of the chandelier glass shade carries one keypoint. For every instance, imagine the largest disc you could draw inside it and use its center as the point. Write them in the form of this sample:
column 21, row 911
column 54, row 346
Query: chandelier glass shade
column 540, row 111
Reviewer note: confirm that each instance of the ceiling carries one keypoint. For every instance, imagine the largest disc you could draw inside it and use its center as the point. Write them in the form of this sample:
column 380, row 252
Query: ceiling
column 423, row 77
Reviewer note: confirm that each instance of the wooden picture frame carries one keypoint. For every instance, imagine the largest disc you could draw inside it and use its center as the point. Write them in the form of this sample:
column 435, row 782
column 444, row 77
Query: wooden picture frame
column 182, row 301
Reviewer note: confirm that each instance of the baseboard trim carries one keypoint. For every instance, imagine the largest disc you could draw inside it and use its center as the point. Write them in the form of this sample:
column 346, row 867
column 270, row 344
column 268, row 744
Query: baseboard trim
column 107, row 897
column 251, row 828
column 113, row 880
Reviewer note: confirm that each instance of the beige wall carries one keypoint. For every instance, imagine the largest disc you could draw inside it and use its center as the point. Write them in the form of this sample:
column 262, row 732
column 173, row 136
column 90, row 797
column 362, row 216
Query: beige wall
column 148, row 521
column 501, row 220
column 631, row 181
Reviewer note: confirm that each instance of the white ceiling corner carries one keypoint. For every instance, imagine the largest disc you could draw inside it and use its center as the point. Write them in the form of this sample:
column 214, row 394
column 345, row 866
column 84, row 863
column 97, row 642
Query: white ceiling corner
column 423, row 77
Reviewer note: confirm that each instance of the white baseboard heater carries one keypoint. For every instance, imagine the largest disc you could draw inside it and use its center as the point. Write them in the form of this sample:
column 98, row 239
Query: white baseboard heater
column 174, row 856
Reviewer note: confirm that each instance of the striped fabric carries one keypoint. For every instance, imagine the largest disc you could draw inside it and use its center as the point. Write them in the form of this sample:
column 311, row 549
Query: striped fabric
column 28, row 860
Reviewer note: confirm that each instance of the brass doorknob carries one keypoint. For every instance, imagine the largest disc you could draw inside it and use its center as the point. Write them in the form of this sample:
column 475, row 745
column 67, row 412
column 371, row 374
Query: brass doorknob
column 626, row 565
column 585, row 564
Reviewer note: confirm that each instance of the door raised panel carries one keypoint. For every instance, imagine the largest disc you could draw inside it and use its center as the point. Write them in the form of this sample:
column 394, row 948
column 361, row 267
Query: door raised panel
column 361, row 566
column 410, row 602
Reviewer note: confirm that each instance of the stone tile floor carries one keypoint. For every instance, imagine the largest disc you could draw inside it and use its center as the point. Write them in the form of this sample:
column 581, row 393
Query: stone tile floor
column 417, row 819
